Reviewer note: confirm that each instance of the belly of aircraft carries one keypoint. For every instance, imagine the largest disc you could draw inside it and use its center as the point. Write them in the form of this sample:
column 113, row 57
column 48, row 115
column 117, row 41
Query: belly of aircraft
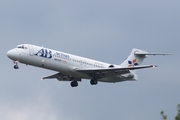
column 116, row 79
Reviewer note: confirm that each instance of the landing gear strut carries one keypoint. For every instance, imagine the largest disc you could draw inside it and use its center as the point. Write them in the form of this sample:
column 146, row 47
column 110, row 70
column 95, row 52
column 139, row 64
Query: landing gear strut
column 74, row 83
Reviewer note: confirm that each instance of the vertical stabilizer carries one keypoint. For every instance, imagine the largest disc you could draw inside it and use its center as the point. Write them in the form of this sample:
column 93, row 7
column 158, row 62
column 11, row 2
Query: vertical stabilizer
column 134, row 59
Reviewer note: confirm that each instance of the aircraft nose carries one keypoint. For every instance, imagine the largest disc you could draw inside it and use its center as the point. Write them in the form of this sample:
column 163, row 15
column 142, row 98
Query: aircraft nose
column 11, row 54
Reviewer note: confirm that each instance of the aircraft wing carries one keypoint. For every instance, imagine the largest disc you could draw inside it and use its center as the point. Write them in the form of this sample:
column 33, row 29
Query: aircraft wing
column 108, row 71
column 60, row 77
column 119, row 70
column 51, row 76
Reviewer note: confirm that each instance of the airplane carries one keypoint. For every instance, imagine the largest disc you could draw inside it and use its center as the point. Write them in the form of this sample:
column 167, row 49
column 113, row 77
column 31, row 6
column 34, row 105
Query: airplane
column 74, row 68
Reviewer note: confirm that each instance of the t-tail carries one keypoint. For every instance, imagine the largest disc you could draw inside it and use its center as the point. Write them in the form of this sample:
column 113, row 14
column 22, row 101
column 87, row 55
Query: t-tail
column 136, row 58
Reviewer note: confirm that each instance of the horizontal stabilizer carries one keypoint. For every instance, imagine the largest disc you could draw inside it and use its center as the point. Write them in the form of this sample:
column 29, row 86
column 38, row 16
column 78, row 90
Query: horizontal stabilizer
column 144, row 53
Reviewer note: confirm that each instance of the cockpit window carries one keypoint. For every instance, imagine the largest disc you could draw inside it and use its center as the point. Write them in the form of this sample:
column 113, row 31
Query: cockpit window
column 21, row 47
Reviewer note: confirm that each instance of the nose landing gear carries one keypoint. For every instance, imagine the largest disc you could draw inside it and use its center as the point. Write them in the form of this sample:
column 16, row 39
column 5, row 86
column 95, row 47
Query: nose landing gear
column 16, row 65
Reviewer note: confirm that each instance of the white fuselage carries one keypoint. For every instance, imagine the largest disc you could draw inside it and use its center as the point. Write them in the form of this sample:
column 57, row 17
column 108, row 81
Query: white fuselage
column 59, row 61
column 75, row 68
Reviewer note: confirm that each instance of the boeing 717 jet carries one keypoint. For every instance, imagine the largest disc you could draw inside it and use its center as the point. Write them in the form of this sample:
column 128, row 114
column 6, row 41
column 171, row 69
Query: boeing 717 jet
column 74, row 68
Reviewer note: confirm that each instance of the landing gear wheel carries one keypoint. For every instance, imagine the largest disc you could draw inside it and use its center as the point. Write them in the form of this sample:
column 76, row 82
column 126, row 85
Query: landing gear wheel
column 74, row 84
column 94, row 82
column 16, row 67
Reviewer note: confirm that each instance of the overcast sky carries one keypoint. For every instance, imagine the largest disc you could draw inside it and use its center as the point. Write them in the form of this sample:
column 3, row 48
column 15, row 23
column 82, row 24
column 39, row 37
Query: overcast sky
column 105, row 30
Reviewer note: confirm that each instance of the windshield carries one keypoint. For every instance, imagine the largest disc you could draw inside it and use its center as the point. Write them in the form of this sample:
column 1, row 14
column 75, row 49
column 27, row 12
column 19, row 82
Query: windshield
column 21, row 47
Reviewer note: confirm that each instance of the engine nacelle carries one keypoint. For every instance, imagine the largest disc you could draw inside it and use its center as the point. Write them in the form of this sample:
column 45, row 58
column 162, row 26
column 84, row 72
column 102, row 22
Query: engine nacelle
column 111, row 66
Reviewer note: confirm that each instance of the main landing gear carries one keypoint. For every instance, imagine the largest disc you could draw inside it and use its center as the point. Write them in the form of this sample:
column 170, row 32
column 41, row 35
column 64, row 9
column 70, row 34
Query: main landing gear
column 93, row 81
column 74, row 83
column 16, row 65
